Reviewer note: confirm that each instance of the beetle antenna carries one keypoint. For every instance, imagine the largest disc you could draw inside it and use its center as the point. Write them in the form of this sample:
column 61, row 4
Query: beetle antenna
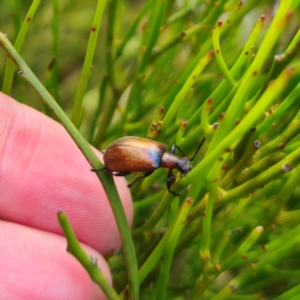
column 201, row 143
column 180, row 150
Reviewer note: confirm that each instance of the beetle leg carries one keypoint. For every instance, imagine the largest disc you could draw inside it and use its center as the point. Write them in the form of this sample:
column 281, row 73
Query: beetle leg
column 110, row 172
column 170, row 180
column 121, row 174
column 139, row 177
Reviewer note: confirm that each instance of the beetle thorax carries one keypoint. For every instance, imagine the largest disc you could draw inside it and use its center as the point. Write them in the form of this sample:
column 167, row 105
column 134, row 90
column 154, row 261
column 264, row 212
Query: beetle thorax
column 171, row 161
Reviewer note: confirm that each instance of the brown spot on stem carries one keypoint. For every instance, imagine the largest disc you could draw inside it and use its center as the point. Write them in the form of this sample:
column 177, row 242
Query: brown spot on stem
column 189, row 200
column 290, row 13
column 215, row 125
column 93, row 28
column 218, row 268
column 184, row 124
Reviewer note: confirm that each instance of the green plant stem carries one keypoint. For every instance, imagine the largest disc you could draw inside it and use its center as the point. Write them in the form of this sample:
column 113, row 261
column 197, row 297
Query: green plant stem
column 206, row 231
column 225, row 237
column 236, row 107
column 133, row 28
column 243, row 190
column 106, row 180
column 167, row 256
column 255, row 169
column 274, row 117
column 88, row 262
column 291, row 294
column 214, row 12
column 231, row 261
column 10, row 67
column 281, row 199
column 186, row 87
column 55, row 69
column 288, row 217
column 275, row 245
column 181, row 14
column 219, row 57
column 158, row 213
column 16, row 4
column 280, row 141
column 205, row 254
column 269, row 257
column 192, row 231
column 111, row 12
column 218, row 153
column 87, row 65
column 230, row 178
column 102, row 92
column 236, row 72
column 134, row 99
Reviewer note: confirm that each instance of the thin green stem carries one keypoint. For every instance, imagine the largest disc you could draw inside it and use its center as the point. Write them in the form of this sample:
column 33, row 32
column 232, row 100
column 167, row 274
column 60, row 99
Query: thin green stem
column 167, row 256
column 106, row 180
column 219, row 57
column 10, row 67
column 88, row 262
column 87, row 65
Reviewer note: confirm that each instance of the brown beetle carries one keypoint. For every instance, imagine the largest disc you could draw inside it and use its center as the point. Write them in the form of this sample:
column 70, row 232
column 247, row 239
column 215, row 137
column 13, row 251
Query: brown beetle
column 133, row 154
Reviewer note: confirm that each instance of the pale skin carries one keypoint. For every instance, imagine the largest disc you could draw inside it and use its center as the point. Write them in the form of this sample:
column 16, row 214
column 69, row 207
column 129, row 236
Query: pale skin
column 41, row 172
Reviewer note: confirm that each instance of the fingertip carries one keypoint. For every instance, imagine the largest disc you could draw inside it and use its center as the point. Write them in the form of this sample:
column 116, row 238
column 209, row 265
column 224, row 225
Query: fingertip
column 43, row 170
column 36, row 265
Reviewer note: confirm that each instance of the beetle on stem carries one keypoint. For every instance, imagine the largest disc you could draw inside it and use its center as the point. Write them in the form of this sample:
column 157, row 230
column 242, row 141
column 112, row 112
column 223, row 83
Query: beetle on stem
column 133, row 154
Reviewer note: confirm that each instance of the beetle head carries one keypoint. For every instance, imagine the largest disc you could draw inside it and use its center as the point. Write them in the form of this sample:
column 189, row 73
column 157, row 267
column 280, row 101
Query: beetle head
column 183, row 165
